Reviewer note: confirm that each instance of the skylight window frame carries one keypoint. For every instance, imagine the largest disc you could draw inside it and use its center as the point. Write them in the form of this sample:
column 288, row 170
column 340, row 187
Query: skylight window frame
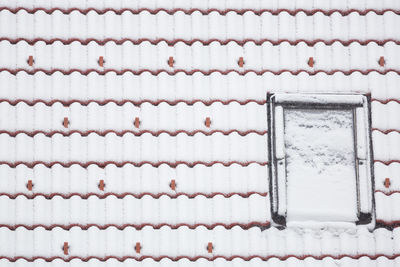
column 363, row 153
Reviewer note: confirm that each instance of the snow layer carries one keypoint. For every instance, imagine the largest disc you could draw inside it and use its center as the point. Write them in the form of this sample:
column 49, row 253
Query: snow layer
column 217, row 147
column 130, row 210
column 386, row 146
column 216, row 4
column 387, row 208
column 118, row 118
column 76, row 179
column 190, row 87
column 256, row 262
column 386, row 116
column 216, row 86
column 214, row 25
column 199, row 56
column 226, row 242
column 320, row 158
column 319, row 99
column 391, row 171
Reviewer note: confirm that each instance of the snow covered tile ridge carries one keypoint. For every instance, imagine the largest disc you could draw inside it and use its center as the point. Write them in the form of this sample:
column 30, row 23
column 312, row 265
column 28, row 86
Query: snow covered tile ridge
column 134, row 132
column 231, row 25
column 289, row 5
column 194, row 56
column 321, row 99
column 163, row 243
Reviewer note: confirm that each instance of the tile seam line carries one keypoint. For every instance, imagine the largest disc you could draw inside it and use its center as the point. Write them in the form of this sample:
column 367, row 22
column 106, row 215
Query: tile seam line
column 135, row 133
column 190, row 42
column 153, row 195
column 387, row 193
column 386, row 101
column 137, row 196
column 133, row 102
column 136, row 164
column 31, row 164
column 388, row 131
column 246, row 226
column 86, row 72
column 122, row 133
column 14, row 102
column 387, row 162
column 208, row 258
column 223, row 12
column 68, row 227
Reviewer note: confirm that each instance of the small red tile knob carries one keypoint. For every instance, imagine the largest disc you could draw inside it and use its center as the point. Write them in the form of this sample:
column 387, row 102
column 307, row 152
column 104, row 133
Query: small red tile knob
column 311, row 62
column 138, row 247
column 65, row 248
column 210, row 247
column 171, row 62
column 137, row 122
column 387, row 182
column 101, row 61
column 29, row 185
column 241, row 62
column 207, row 122
column 101, row 185
column 30, row 61
column 173, row 184
column 381, row 61
column 66, row 122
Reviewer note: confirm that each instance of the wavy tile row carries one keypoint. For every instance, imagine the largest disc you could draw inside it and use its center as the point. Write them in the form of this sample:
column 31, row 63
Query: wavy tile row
column 186, row 242
column 189, row 87
column 215, row 4
column 198, row 56
column 118, row 118
column 157, row 119
column 213, row 25
column 136, row 180
column 180, row 211
column 149, row 148
column 131, row 210
column 130, row 148
column 156, row 180
column 392, row 172
column 381, row 261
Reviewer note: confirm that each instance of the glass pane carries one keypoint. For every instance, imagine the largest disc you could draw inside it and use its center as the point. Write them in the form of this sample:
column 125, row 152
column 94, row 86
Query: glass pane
column 320, row 165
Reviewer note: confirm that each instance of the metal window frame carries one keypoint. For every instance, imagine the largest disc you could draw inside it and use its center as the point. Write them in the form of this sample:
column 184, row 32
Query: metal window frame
column 362, row 134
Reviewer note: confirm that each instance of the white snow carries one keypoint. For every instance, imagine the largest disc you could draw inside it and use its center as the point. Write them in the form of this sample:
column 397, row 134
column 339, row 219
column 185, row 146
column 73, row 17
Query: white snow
column 327, row 194
column 391, row 171
column 319, row 99
column 227, row 242
column 198, row 56
column 386, row 116
column 130, row 210
column 231, row 25
column 217, row 4
column 197, row 86
column 199, row 179
column 216, row 147
column 386, row 146
column 161, row 117
column 321, row 176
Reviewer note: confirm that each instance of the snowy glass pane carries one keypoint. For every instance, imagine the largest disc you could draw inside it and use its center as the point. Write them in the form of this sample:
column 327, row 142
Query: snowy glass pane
column 320, row 165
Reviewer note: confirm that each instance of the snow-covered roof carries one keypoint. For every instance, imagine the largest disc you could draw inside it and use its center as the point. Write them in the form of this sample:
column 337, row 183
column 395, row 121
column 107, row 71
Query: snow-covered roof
column 136, row 131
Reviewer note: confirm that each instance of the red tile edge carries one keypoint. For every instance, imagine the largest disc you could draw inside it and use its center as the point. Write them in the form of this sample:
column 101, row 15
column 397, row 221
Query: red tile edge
column 292, row 12
column 86, row 72
column 135, row 195
column 139, row 226
column 208, row 258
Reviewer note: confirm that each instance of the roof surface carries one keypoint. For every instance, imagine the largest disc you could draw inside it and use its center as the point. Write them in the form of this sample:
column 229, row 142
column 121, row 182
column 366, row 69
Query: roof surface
column 125, row 122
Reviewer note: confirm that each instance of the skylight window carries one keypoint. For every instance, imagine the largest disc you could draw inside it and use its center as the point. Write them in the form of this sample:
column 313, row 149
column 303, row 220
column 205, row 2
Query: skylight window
column 320, row 158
